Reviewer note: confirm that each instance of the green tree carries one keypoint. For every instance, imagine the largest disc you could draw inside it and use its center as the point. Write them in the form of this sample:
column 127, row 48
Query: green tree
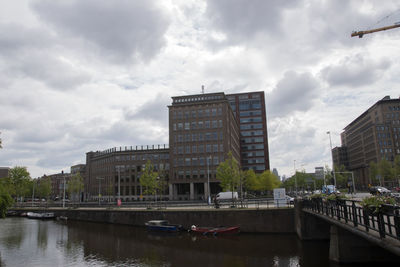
column 373, row 172
column 148, row 180
column 5, row 200
column 386, row 170
column 341, row 177
column 20, row 181
column 250, row 180
column 228, row 174
column 396, row 169
column 268, row 181
column 75, row 186
column 44, row 187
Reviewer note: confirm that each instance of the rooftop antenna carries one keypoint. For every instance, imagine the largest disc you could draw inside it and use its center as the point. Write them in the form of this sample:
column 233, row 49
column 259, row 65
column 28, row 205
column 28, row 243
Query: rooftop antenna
column 202, row 89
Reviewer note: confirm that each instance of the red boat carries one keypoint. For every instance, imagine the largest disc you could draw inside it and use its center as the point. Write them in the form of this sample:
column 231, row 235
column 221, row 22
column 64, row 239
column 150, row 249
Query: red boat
column 215, row 230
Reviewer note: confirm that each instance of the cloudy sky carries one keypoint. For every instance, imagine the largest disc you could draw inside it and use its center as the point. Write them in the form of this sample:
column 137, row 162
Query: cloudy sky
column 79, row 76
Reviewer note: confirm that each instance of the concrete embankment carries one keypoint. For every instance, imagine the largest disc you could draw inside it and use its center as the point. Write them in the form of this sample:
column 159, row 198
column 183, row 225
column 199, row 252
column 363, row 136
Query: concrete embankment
column 249, row 220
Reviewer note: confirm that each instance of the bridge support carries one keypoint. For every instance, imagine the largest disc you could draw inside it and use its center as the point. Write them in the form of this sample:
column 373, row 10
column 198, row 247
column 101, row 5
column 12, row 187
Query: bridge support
column 346, row 247
column 310, row 227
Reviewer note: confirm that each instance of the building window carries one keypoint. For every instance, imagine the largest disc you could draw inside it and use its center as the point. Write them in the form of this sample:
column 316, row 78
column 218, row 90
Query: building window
column 208, row 148
column 194, row 149
column 187, row 126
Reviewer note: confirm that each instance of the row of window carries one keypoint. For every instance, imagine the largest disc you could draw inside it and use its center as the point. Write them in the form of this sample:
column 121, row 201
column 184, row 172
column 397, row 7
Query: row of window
column 197, row 125
column 252, row 147
column 251, row 126
column 198, row 98
column 252, row 133
column 252, row 140
column 253, row 119
column 394, row 107
column 253, row 154
column 250, row 113
column 209, row 136
column 200, row 161
column 253, row 161
column 195, row 174
column 209, row 148
column 392, row 115
column 144, row 157
column 199, row 113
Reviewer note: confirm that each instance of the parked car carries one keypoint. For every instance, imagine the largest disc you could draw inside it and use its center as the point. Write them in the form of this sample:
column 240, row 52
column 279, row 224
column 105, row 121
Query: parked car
column 379, row 190
column 289, row 200
column 227, row 196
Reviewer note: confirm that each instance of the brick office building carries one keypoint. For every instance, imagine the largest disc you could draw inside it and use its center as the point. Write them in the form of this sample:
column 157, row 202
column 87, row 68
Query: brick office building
column 372, row 136
column 202, row 130
column 118, row 170
column 249, row 109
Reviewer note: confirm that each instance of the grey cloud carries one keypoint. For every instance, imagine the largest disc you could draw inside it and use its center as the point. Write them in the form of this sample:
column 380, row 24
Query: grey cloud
column 30, row 52
column 121, row 29
column 294, row 92
column 155, row 110
column 242, row 19
column 355, row 71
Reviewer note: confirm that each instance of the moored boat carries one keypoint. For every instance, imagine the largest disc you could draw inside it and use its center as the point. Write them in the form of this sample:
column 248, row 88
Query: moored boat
column 40, row 215
column 163, row 226
column 215, row 230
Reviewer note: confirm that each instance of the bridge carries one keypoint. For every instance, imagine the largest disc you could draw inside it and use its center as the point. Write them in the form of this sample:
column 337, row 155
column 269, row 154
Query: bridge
column 356, row 234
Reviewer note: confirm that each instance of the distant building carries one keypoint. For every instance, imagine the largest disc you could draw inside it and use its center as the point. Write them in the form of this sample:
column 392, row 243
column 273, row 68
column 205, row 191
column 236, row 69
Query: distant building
column 249, row 109
column 319, row 173
column 340, row 157
column 117, row 170
column 371, row 137
column 275, row 172
column 58, row 181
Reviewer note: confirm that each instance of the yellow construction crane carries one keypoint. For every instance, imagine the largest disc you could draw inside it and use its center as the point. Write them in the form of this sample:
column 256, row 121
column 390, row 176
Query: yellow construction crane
column 361, row 33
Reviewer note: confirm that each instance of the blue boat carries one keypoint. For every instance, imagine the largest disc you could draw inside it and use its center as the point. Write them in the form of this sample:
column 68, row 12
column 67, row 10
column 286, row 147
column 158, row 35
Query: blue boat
column 162, row 226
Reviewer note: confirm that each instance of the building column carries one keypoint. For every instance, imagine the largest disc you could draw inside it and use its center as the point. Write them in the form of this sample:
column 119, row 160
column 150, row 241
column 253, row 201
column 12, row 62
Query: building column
column 191, row 191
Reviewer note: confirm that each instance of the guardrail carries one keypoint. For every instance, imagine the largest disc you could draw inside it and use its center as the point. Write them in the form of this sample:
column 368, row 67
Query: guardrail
column 245, row 203
column 385, row 220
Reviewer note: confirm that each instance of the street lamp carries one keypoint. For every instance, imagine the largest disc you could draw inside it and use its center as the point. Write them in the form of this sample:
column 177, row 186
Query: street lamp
column 208, row 181
column 295, row 175
column 333, row 167
column 99, row 178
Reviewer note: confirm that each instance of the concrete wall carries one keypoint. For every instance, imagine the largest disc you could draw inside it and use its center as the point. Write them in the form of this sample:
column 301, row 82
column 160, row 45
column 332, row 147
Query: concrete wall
column 257, row 221
column 309, row 227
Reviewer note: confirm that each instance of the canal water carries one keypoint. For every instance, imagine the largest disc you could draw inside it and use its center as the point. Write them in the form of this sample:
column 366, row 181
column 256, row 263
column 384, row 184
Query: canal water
column 26, row 242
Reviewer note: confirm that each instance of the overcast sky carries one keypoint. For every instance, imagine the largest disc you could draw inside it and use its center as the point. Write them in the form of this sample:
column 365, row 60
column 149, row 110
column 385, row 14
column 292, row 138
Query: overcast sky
column 88, row 75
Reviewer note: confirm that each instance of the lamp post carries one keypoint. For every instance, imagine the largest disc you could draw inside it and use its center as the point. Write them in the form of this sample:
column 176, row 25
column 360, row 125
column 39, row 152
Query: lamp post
column 333, row 167
column 33, row 191
column 295, row 175
column 64, row 189
column 99, row 178
column 119, row 187
column 208, row 181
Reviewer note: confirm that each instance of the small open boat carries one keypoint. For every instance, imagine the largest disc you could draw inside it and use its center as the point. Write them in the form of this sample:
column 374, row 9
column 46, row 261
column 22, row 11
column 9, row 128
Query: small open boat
column 162, row 225
column 42, row 215
column 215, row 230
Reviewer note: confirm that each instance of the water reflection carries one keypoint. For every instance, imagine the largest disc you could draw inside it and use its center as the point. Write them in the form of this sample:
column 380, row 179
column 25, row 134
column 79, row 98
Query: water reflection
column 50, row 243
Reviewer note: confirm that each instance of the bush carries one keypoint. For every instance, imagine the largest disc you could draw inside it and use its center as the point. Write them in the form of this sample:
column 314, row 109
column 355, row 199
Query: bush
column 5, row 202
column 376, row 203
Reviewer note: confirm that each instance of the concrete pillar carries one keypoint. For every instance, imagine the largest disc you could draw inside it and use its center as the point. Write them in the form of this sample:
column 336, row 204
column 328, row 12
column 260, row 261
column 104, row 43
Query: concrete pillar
column 205, row 191
column 308, row 226
column 191, row 191
column 171, row 191
column 346, row 247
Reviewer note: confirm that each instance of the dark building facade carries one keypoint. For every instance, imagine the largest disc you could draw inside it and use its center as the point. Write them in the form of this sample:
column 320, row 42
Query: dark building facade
column 371, row 137
column 249, row 110
column 202, row 130
column 117, row 170
column 340, row 158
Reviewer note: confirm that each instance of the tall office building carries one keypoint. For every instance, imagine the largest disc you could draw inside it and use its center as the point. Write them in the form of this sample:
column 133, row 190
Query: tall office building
column 249, row 110
column 371, row 137
column 202, row 130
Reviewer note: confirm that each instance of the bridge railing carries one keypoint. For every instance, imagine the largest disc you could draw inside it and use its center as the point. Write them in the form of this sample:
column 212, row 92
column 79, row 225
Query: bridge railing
column 384, row 220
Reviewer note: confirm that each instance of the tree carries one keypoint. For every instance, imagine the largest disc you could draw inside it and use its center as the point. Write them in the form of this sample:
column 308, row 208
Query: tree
column 19, row 179
column 268, row 181
column 228, row 174
column 373, row 172
column 396, row 168
column 249, row 178
column 75, row 185
column 5, row 200
column 386, row 170
column 44, row 187
column 148, row 180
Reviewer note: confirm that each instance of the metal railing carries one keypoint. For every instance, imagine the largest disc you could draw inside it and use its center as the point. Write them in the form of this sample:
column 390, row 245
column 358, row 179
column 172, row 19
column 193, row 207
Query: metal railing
column 384, row 220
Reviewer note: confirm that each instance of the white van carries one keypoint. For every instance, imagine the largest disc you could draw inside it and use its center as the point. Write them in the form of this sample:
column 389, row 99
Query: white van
column 227, row 196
